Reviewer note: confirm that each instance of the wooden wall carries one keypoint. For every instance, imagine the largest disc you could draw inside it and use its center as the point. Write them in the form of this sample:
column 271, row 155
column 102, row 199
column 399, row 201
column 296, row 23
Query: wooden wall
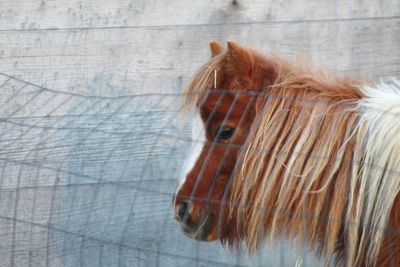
column 90, row 145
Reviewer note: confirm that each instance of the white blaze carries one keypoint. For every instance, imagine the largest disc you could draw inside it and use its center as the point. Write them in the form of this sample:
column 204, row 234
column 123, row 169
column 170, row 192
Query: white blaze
column 198, row 141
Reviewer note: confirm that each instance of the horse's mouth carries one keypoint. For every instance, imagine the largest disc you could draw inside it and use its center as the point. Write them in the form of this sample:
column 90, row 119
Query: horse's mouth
column 201, row 230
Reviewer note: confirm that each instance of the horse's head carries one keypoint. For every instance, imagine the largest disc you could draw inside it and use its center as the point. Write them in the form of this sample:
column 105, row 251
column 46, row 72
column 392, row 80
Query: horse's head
column 225, row 96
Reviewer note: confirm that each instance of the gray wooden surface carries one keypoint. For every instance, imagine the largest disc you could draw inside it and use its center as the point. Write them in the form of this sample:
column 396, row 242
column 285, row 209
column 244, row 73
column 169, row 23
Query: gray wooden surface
column 90, row 142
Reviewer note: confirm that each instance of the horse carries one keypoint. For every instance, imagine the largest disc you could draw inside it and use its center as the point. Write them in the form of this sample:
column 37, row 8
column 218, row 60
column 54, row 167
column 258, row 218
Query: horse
column 284, row 150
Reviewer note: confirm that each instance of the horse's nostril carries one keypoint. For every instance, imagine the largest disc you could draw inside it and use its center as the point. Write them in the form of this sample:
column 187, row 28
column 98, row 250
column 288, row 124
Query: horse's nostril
column 183, row 210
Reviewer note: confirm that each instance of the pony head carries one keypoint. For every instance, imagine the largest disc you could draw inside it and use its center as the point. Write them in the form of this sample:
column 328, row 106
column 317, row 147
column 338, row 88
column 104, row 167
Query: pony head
column 287, row 151
column 224, row 97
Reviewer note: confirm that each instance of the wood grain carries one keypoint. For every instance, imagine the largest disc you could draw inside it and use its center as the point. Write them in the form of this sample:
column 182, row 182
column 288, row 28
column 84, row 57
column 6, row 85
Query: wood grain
column 59, row 14
column 127, row 61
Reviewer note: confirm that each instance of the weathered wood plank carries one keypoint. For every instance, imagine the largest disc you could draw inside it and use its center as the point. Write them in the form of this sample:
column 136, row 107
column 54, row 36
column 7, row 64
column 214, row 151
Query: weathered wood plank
column 126, row 61
column 46, row 14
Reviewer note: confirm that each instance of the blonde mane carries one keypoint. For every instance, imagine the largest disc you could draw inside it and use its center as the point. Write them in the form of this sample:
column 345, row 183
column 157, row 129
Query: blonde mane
column 202, row 81
column 315, row 165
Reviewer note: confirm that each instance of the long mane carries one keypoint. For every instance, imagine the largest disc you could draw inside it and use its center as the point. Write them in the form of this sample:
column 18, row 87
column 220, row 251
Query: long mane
column 318, row 163
column 202, row 81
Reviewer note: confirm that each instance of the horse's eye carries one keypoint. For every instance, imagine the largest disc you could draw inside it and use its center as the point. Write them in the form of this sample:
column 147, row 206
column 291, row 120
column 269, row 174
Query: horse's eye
column 224, row 132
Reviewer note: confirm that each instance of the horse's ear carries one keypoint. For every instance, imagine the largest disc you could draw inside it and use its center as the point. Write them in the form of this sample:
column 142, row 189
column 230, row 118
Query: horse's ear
column 216, row 48
column 239, row 59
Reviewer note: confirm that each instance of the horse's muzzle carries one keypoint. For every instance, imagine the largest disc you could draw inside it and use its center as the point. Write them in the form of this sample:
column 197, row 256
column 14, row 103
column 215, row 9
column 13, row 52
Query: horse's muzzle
column 199, row 230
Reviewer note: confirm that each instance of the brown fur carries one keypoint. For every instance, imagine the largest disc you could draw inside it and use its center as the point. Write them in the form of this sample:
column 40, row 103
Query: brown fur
column 289, row 168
